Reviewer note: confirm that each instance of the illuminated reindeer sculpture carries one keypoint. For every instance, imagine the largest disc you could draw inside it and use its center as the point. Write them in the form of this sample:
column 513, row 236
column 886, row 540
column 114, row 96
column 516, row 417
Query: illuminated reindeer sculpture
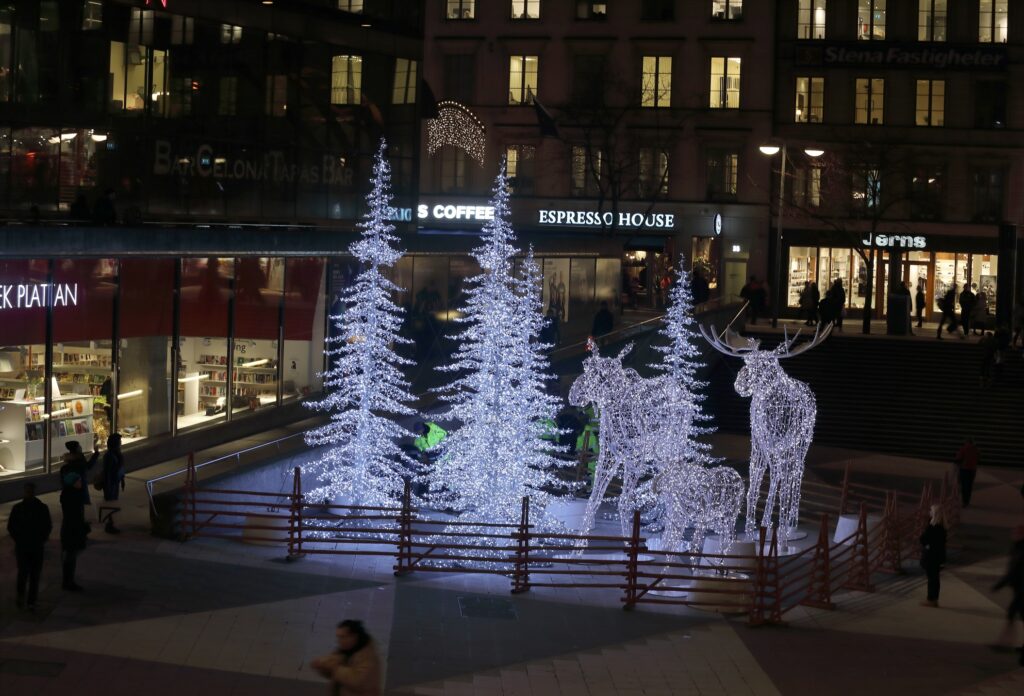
column 782, row 413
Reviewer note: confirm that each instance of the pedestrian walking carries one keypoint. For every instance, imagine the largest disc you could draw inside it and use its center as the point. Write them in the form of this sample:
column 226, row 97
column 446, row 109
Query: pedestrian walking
column 30, row 526
column 756, row 296
column 353, row 668
column 948, row 306
column 113, row 482
column 967, row 301
column 979, row 315
column 966, row 459
column 805, row 303
column 75, row 460
column 933, row 554
column 919, row 303
column 1014, row 579
column 604, row 320
column 814, row 302
column 73, row 527
column 839, row 302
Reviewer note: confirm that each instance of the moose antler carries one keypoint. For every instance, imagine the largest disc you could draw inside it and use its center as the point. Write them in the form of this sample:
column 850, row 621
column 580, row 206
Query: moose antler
column 786, row 350
column 728, row 347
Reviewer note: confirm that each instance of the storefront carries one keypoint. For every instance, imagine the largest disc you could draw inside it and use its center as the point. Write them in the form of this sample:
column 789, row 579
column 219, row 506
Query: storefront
column 928, row 262
column 150, row 347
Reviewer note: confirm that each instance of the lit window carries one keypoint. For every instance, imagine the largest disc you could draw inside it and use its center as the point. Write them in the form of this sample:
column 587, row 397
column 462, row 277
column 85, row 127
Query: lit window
column 182, row 30
column 525, row 9
column 404, row 91
column 128, row 66
column 652, row 172
column 870, row 101
column 867, row 189
column 520, row 159
column 656, row 81
column 725, row 83
column 810, row 21
column 140, row 28
column 230, row 34
column 353, row 6
column 346, row 79
column 588, row 9
column 522, row 79
column 993, row 20
column 810, row 99
column 277, row 95
column 871, row 19
column 931, row 20
column 460, row 9
column 227, row 96
column 453, row 169
column 727, row 9
column 722, row 173
column 92, row 14
column 931, row 103
column 586, row 170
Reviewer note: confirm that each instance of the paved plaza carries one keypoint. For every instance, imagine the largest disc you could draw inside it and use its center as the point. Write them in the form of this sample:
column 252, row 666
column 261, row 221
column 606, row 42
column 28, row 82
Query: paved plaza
column 217, row 617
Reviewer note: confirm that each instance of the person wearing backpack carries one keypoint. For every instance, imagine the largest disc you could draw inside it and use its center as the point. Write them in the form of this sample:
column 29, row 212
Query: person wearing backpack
column 948, row 306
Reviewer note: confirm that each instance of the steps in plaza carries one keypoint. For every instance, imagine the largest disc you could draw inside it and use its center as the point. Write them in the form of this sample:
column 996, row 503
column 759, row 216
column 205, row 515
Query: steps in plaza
column 917, row 398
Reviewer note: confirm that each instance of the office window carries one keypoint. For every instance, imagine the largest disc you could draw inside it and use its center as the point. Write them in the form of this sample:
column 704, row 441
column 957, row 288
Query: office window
column 926, row 193
column 869, row 105
column 588, row 76
column 353, row 6
column 127, row 68
column 92, row 14
column 658, row 10
column 520, row 162
column 652, row 172
column 871, row 19
column 806, row 187
column 586, row 166
column 810, row 19
column 727, row 9
column 867, row 189
column 810, row 99
column 182, row 30
column 931, row 103
column 722, row 173
column 230, row 34
column 588, row 9
column 988, row 194
column 453, row 169
column 525, row 9
column 404, row 91
column 522, row 79
column 277, row 95
column 656, row 81
column 227, row 96
column 993, row 20
column 140, row 27
column 725, row 83
column 346, row 79
column 990, row 104
column 459, row 79
column 460, row 9
column 931, row 20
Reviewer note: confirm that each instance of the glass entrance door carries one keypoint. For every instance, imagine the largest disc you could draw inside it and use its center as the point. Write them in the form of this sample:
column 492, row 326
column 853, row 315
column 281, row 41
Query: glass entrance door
column 918, row 275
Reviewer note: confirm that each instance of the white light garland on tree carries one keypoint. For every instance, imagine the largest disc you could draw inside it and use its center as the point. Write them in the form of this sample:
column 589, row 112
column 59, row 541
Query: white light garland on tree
column 497, row 455
column 782, row 414
column 456, row 126
column 365, row 385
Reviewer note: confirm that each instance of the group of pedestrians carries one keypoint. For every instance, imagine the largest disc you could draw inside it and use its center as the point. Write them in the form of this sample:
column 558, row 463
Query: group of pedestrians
column 973, row 311
column 30, row 524
column 829, row 309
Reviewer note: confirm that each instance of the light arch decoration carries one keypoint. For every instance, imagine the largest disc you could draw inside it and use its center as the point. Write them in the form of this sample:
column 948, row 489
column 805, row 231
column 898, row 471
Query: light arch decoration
column 457, row 126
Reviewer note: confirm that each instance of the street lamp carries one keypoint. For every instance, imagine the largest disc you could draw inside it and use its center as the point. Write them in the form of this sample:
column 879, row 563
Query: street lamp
column 771, row 151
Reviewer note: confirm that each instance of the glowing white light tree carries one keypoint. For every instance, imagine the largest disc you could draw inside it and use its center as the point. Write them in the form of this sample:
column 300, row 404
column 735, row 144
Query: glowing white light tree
column 496, row 455
column 365, row 384
column 782, row 414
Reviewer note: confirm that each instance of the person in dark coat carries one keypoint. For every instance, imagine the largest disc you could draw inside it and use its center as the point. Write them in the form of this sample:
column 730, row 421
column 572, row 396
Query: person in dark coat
column 549, row 332
column 30, row 526
column 967, row 459
column 1014, row 579
column 948, row 307
column 919, row 303
column 933, row 554
column 967, row 300
column 756, row 296
column 700, row 287
column 603, row 321
column 73, row 528
column 838, row 293
column 113, row 482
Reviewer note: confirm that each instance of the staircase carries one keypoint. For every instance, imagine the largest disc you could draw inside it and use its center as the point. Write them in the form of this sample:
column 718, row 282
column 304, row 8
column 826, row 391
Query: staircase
column 907, row 397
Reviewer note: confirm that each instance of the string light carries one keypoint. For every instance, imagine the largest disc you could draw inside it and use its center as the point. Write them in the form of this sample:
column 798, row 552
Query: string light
column 365, row 385
column 456, row 125
column 782, row 414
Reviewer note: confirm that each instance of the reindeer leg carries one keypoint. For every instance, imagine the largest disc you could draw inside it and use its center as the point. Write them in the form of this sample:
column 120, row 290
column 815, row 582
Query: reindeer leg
column 757, row 467
column 627, row 502
column 774, row 474
column 603, row 473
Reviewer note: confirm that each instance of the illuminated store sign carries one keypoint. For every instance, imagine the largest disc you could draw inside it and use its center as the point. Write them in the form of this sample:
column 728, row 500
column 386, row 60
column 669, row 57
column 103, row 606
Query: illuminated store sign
column 449, row 211
column 29, row 295
column 890, row 241
column 593, row 218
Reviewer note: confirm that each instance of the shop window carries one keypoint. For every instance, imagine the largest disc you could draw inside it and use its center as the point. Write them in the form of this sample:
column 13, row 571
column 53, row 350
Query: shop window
column 581, row 289
column 725, row 83
column 983, row 279
column 722, row 173
column 460, row 77
column 588, row 9
column 404, row 91
column 460, row 270
column 430, row 307
column 140, row 27
column 652, row 172
column 993, row 21
column 988, row 194
column 588, row 77
column 867, row 190
column 931, row 103
column 522, row 79
column 203, row 358
column 6, row 48
column 990, row 104
column 182, row 30
column 869, row 103
column 658, row 10
column 23, row 368
column 705, row 261
column 871, row 19
column 656, row 81
column 931, row 20
column 802, row 272
column 256, row 369
column 525, row 9
column 810, row 99
column 453, row 169
column 305, row 305
column 353, row 6
column 926, row 193
column 460, row 9
column 806, row 188
column 277, row 95
column 949, row 269
column 555, row 291
column 346, row 79
column 810, row 19
column 727, row 9
column 834, row 265
column 92, row 15
column 146, row 330
column 230, row 34
column 586, row 170
column 520, row 161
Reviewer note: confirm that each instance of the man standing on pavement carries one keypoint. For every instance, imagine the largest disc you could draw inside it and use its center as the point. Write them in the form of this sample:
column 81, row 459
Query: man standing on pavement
column 967, row 300
column 967, row 461
column 30, row 526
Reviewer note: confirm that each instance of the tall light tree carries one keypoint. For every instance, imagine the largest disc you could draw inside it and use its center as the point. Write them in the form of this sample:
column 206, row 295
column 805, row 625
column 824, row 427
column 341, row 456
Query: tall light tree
column 366, row 388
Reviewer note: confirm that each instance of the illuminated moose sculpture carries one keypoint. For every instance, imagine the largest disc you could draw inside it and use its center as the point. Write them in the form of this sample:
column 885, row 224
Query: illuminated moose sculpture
column 782, row 413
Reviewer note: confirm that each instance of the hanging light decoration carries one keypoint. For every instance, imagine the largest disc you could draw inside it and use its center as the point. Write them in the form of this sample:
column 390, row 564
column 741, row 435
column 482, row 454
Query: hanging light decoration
column 456, row 126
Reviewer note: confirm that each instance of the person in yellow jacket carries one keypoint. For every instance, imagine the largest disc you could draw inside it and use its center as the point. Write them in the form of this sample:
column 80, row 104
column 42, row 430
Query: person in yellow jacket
column 354, row 668
column 428, row 436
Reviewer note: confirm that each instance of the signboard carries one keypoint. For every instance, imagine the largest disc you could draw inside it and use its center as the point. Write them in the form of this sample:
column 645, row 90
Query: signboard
column 595, row 218
column 897, row 241
column 29, row 295
column 879, row 54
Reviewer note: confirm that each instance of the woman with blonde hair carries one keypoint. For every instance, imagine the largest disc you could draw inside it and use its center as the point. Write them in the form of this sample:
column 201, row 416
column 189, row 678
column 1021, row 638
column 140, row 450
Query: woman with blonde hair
column 933, row 554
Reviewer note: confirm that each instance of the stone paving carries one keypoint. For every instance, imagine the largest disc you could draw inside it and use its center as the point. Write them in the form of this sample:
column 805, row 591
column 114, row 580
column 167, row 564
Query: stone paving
column 213, row 616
